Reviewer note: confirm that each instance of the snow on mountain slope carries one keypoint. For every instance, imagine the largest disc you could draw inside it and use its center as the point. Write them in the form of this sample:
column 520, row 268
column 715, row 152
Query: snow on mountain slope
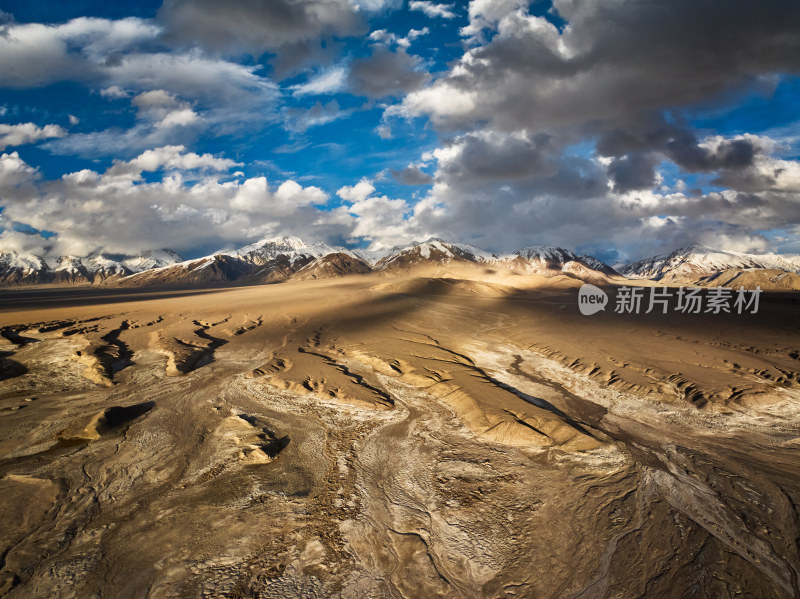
column 546, row 258
column 25, row 262
column 266, row 250
column 153, row 259
column 333, row 265
column 279, row 258
column 20, row 269
column 267, row 260
column 29, row 269
column 699, row 261
column 431, row 252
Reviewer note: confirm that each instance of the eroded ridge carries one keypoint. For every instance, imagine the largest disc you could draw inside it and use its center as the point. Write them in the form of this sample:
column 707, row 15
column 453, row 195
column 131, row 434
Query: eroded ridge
column 389, row 438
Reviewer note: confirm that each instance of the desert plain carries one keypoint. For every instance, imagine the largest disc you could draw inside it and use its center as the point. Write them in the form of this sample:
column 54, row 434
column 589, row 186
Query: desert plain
column 410, row 436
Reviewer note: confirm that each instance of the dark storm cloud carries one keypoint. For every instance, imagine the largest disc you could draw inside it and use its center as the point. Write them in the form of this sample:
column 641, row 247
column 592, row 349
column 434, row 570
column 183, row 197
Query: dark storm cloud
column 617, row 63
column 387, row 73
column 257, row 26
column 412, row 175
column 633, row 171
column 622, row 75
column 730, row 154
column 490, row 155
column 681, row 146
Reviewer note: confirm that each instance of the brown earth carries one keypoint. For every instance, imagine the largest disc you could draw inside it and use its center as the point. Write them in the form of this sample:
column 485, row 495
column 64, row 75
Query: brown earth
column 369, row 436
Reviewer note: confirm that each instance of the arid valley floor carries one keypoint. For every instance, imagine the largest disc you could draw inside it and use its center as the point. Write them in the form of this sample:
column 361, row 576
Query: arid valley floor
column 395, row 437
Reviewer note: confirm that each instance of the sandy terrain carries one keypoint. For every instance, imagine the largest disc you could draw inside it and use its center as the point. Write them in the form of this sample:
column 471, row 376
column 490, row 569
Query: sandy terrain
column 395, row 437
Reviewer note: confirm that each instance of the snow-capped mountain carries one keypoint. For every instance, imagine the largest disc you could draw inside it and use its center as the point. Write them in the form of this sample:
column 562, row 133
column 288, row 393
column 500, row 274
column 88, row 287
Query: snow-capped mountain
column 333, row 265
column 432, row 251
column 544, row 258
column 264, row 261
column 30, row 269
column 265, row 251
column 20, row 268
column 279, row 258
column 534, row 259
column 148, row 260
column 698, row 261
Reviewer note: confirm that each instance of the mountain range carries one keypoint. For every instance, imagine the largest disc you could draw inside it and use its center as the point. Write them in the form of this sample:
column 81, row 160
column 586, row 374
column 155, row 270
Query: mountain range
column 30, row 269
column 704, row 266
column 272, row 260
column 280, row 258
column 698, row 261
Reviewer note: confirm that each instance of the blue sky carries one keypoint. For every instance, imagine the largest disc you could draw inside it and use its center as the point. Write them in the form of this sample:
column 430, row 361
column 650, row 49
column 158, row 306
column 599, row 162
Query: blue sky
column 618, row 130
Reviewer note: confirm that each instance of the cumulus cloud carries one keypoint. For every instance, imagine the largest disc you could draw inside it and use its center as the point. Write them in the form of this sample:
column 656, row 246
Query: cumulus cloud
column 177, row 97
column 614, row 77
column 26, row 133
column 505, row 190
column 118, row 211
column 172, row 158
column 412, row 175
column 34, row 54
column 114, row 92
column 432, row 9
column 387, row 38
column 126, row 58
column 358, row 192
column 614, row 64
column 14, row 173
column 387, row 73
column 382, row 220
column 553, row 129
column 164, row 110
column 255, row 26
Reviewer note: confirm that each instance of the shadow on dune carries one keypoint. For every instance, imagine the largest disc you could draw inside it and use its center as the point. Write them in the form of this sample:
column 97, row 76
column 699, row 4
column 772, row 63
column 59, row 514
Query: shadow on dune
column 9, row 368
column 117, row 417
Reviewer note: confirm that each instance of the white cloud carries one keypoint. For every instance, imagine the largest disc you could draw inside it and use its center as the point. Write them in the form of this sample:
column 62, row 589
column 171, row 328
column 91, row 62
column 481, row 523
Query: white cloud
column 164, row 110
column 442, row 101
column 358, row 192
column 124, row 58
column 386, row 38
column 254, row 196
column 375, row 5
column 329, row 81
column 15, row 172
column 26, row 133
column 100, row 37
column 381, row 220
column 173, row 157
column 35, row 54
column 193, row 76
column 114, row 92
column 118, row 211
column 301, row 119
column 432, row 9
column 485, row 14
column 179, row 118
column 165, row 116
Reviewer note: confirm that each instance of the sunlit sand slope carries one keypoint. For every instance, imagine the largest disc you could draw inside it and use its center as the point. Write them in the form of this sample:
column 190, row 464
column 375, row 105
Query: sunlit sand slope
column 408, row 436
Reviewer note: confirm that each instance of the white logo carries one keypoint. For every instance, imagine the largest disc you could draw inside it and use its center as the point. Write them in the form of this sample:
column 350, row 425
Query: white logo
column 591, row 300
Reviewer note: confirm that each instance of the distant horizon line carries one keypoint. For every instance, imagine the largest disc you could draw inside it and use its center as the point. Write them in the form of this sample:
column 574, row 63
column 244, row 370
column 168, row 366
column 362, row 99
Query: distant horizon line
column 114, row 255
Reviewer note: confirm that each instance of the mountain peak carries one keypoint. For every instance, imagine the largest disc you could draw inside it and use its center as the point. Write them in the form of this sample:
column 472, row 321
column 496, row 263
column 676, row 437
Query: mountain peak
column 697, row 261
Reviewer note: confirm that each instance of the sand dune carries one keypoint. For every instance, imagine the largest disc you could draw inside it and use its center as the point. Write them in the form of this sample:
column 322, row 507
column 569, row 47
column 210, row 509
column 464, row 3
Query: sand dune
column 462, row 435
